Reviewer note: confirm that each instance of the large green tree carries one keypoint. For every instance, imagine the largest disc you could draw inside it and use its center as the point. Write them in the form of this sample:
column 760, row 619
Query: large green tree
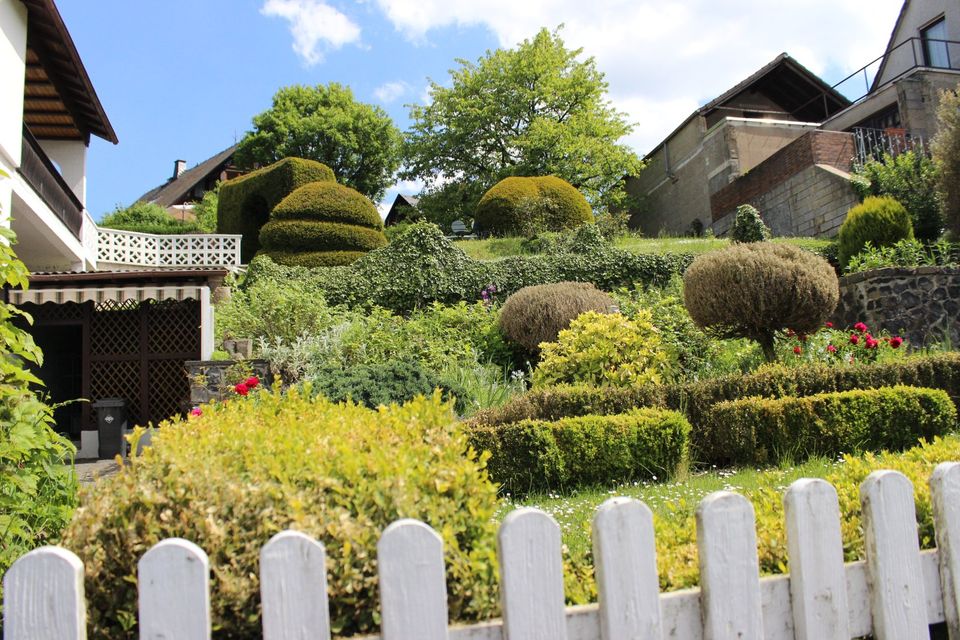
column 533, row 110
column 325, row 123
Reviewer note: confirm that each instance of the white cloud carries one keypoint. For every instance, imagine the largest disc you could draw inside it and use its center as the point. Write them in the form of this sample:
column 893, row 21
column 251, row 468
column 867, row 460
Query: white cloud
column 662, row 58
column 313, row 23
column 390, row 91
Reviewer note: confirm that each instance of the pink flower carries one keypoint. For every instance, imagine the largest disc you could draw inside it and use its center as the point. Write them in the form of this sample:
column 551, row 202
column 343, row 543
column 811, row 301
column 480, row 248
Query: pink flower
column 829, row 325
column 854, row 338
column 831, row 348
column 862, row 328
column 241, row 389
column 196, row 411
column 895, row 342
column 871, row 343
column 797, row 350
column 252, row 382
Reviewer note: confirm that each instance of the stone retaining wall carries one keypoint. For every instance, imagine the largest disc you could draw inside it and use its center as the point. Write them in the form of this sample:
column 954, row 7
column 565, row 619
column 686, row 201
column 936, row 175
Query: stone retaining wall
column 922, row 304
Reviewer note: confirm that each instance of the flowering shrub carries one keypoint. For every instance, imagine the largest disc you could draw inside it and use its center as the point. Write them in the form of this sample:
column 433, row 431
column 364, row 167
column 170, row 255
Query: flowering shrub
column 841, row 347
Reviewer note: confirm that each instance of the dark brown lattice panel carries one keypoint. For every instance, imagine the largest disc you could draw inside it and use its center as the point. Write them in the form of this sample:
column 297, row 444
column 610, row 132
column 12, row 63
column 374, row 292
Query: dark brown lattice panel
column 169, row 389
column 116, row 379
column 50, row 312
column 115, row 329
column 174, row 327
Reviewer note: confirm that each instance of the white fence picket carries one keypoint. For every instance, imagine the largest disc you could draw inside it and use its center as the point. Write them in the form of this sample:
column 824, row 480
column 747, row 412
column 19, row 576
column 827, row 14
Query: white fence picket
column 945, row 494
column 174, row 599
column 531, row 577
column 625, row 556
column 729, row 570
column 897, row 599
column 818, row 584
column 293, row 588
column 43, row 597
column 413, row 584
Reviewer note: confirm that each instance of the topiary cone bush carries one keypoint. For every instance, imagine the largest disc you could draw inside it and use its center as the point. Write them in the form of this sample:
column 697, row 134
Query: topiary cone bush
column 524, row 206
column 879, row 220
column 755, row 290
column 748, row 226
column 249, row 468
column 322, row 224
column 538, row 314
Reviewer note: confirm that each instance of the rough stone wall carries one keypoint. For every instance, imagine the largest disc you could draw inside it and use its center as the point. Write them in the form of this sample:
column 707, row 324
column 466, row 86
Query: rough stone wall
column 922, row 304
column 813, row 202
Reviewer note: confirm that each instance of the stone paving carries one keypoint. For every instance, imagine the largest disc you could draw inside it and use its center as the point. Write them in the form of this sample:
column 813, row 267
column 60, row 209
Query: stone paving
column 89, row 470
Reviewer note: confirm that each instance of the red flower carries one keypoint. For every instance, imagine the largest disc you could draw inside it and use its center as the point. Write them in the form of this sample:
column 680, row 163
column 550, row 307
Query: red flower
column 871, row 343
column 790, row 333
column 896, row 341
column 797, row 350
column 242, row 389
column 854, row 338
column 862, row 328
column 829, row 325
column 831, row 348
column 196, row 411
column 252, row 382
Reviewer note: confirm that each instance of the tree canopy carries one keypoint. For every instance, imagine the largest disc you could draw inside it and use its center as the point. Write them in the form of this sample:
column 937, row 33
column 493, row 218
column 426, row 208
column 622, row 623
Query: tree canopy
column 324, row 123
column 530, row 111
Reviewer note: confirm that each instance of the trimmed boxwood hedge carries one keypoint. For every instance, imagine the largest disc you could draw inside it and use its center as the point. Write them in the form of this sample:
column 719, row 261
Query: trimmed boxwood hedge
column 589, row 450
column 318, row 217
column 245, row 202
column 695, row 399
column 524, row 205
column 773, row 430
column 310, row 235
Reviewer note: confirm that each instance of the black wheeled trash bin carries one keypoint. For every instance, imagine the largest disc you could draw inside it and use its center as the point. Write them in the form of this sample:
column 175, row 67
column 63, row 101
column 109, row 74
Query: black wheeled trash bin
column 111, row 426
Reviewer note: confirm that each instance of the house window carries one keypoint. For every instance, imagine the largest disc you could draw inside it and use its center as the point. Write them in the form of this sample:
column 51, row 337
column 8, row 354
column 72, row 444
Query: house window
column 935, row 52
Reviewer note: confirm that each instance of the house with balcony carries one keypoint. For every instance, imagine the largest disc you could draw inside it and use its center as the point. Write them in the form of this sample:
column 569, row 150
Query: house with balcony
column 116, row 313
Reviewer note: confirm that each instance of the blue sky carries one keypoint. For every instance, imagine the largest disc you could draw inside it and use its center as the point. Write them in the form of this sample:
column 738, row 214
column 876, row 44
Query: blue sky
column 182, row 79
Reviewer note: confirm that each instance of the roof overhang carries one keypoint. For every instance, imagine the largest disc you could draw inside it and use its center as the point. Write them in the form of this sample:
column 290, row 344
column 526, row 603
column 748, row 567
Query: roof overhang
column 117, row 286
column 59, row 99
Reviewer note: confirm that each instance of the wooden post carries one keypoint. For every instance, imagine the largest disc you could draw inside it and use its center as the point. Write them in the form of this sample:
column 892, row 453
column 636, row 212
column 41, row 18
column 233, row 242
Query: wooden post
column 945, row 492
column 413, row 583
column 818, row 580
column 293, row 588
column 625, row 555
column 531, row 577
column 898, row 603
column 43, row 597
column 729, row 570
column 174, row 586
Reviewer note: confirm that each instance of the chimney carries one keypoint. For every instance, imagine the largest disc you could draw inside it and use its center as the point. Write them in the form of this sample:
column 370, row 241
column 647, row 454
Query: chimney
column 179, row 166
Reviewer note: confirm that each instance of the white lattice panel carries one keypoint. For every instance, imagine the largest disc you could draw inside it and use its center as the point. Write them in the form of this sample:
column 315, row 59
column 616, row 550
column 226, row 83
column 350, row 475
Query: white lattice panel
column 154, row 250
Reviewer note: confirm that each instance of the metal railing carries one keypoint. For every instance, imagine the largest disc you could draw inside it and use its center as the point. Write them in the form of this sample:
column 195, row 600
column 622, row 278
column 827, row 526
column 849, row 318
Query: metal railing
column 874, row 144
column 131, row 248
column 39, row 173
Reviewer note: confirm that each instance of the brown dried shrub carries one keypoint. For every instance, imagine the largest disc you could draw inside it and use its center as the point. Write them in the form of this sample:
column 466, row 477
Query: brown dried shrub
column 537, row 314
column 755, row 290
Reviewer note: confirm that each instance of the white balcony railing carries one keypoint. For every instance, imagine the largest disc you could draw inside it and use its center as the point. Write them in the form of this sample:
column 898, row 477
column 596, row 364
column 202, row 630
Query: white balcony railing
column 130, row 248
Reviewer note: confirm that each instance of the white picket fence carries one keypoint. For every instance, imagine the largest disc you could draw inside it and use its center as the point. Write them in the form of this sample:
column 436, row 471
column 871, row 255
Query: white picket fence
column 894, row 594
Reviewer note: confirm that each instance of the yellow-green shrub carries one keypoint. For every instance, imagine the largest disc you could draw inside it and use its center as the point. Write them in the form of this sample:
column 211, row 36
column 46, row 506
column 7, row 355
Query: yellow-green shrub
column 604, row 349
column 879, row 220
column 588, row 450
column 308, row 235
column 248, row 469
column 769, row 430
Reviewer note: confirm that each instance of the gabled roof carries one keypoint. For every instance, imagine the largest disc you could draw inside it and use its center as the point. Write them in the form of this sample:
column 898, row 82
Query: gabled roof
column 59, row 98
column 800, row 91
column 891, row 43
column 170, row 192
column 396, row 213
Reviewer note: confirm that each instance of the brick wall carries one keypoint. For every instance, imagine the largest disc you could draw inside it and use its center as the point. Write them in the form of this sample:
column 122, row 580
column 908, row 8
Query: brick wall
column 831, row 148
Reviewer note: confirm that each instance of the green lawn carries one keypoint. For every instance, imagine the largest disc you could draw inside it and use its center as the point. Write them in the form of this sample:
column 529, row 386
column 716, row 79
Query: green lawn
column 493, row 248
column 675, row 499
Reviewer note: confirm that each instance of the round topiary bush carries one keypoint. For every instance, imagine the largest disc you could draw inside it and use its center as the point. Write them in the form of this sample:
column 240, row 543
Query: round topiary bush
column 524, row 206
column 879, row 220
column 322, row 224
column 249, row 468
column 538, row 314
column 755, row 290
column 748, row 226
